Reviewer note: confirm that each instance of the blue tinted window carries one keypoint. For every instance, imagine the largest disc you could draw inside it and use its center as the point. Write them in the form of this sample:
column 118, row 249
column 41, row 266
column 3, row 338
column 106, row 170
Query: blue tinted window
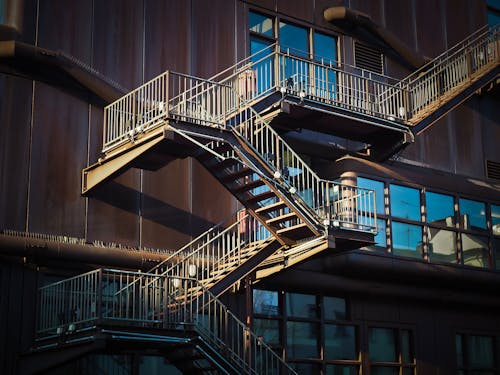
column 261, row 77
column 495, row 219
column 293, row 39
column 440, row 209
column 302, row 339
column 382, row 345
column 260, row 24
column 335, row 308
column 325, row 48
column 380, row 238
column 472, row 214
column 493, row 18
column 407, row 240
column 379, row 191
column 405, row 202
column 265, row 302
column 301, row 305
column 340, row 342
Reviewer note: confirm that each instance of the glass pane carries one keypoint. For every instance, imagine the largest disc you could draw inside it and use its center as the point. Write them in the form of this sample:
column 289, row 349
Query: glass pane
column 406, row 240
column 442, row 245
column 495, row 219
column 342, row 370
column 382, row 345
column 493, row 18
column 480, row 352
column 302, row 340
column 260, row 79
column 325, row 48
column 440, row 209
column 265, row 302
column 293, row 39
column 301, row 305
column 406, row 347
column 379, row 370
column 380, row 238
column 268, row 329
column 335, row 308
column 472, row 214
column 260, row 24
column 340, row 342
column 405, row 202
column 475, row 251
column 379, row 191
column 459, row 345
column 306, row 368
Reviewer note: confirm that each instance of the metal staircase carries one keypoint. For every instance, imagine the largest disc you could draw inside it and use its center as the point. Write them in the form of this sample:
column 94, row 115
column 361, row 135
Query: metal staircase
column 195, row 331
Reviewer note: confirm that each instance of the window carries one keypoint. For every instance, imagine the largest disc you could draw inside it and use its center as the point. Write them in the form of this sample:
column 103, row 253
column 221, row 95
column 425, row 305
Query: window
column 258, row 23
column 378, row 186
column 265, row 302
column 301, row 305
column 440, row 209
column 495, row 219
column 496, row 250
column 390, row 351
column 406, row 239
column 325, row 54
column 475, row 250
column 293, row 39
column 493, row 12
column 475, row 354
column 442, row 245
column 302, row 339
column 340, row 342
column 472, row 214
column 405, row 202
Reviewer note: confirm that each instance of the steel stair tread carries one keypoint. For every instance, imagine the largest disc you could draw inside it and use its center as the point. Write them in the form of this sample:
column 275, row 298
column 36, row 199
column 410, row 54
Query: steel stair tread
column 271, row 207
column 282, row 218
column 248, row 186
column 260, row 197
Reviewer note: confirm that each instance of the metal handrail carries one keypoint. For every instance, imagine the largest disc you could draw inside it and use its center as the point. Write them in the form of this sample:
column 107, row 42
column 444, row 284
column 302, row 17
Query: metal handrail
column 166, row 301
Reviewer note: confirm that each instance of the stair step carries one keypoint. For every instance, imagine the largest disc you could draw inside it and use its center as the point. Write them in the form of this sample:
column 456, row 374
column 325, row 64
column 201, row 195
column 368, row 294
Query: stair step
column 270, row 208
column 260, row 197
column 296, row 232
column 245, row 171
column 226, row 163
column 282, row 218
column 248, row 186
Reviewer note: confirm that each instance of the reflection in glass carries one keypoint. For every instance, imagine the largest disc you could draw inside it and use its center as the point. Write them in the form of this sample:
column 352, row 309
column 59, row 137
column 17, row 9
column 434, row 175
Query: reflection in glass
column 340, row 342
column 406, row 350
column 405, row 202
column 260, row 24
column 380, row 238
column 480, row 352
column 475, row 250
column 379, row 191
column 268, row 329
column 382, row 345
column 301, row 305
column 342, row 370
column 293, row 39
column 440, row 209
column 325, row 53
column 406, row 240
column 495, row 219
column 302, row 340
column 261, row 78
column 335, row 308
column 472, row 214
column 442, row 245
column 265, row 302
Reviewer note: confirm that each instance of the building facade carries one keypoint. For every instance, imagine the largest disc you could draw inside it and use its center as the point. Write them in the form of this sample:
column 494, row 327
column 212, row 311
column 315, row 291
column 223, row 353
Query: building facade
column 249, row 186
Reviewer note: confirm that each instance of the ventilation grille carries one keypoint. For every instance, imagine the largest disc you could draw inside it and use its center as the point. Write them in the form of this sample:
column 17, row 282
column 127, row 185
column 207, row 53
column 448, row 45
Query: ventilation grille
column 492, row 170
column 366, row 57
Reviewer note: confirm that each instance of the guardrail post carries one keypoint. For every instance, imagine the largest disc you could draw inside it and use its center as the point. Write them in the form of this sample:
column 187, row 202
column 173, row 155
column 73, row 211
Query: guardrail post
column 99, row 296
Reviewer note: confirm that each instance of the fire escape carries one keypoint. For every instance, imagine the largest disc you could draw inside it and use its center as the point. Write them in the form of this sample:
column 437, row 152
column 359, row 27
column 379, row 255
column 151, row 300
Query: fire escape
column 231, row 125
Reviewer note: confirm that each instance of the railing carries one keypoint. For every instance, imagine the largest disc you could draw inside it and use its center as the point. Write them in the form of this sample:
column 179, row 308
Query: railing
column 143, row 109
column 452, row 69
column 315, row 195
column 113, row 296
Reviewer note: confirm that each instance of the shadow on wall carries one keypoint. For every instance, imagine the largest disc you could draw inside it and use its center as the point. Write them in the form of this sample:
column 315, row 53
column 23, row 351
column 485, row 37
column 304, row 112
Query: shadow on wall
column 155, row 210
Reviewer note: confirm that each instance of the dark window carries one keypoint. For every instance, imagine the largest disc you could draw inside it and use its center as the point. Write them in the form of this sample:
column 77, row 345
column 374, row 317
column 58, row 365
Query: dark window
column 493, row 12
column 475, row 354
column 335, row 308
column 390, row 351
column 302, row 339
column 340, row 342
column 268, row 330
column 265, row 302
column 301, row 305
column 495, row 219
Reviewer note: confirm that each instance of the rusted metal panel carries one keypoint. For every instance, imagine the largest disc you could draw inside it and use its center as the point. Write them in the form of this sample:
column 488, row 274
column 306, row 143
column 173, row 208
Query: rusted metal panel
column 59, row 145
column 117, row 53
column 166, row 206
column 436, row 150
column 15, row 119
column 213, row 38
column 303, row 10
column 488, row 107
column 167, row 37
column 457, row 12
column 430, row 29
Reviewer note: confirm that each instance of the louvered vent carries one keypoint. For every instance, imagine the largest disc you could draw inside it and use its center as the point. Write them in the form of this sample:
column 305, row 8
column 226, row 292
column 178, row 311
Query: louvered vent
column 366, row 57
column 492, row 170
